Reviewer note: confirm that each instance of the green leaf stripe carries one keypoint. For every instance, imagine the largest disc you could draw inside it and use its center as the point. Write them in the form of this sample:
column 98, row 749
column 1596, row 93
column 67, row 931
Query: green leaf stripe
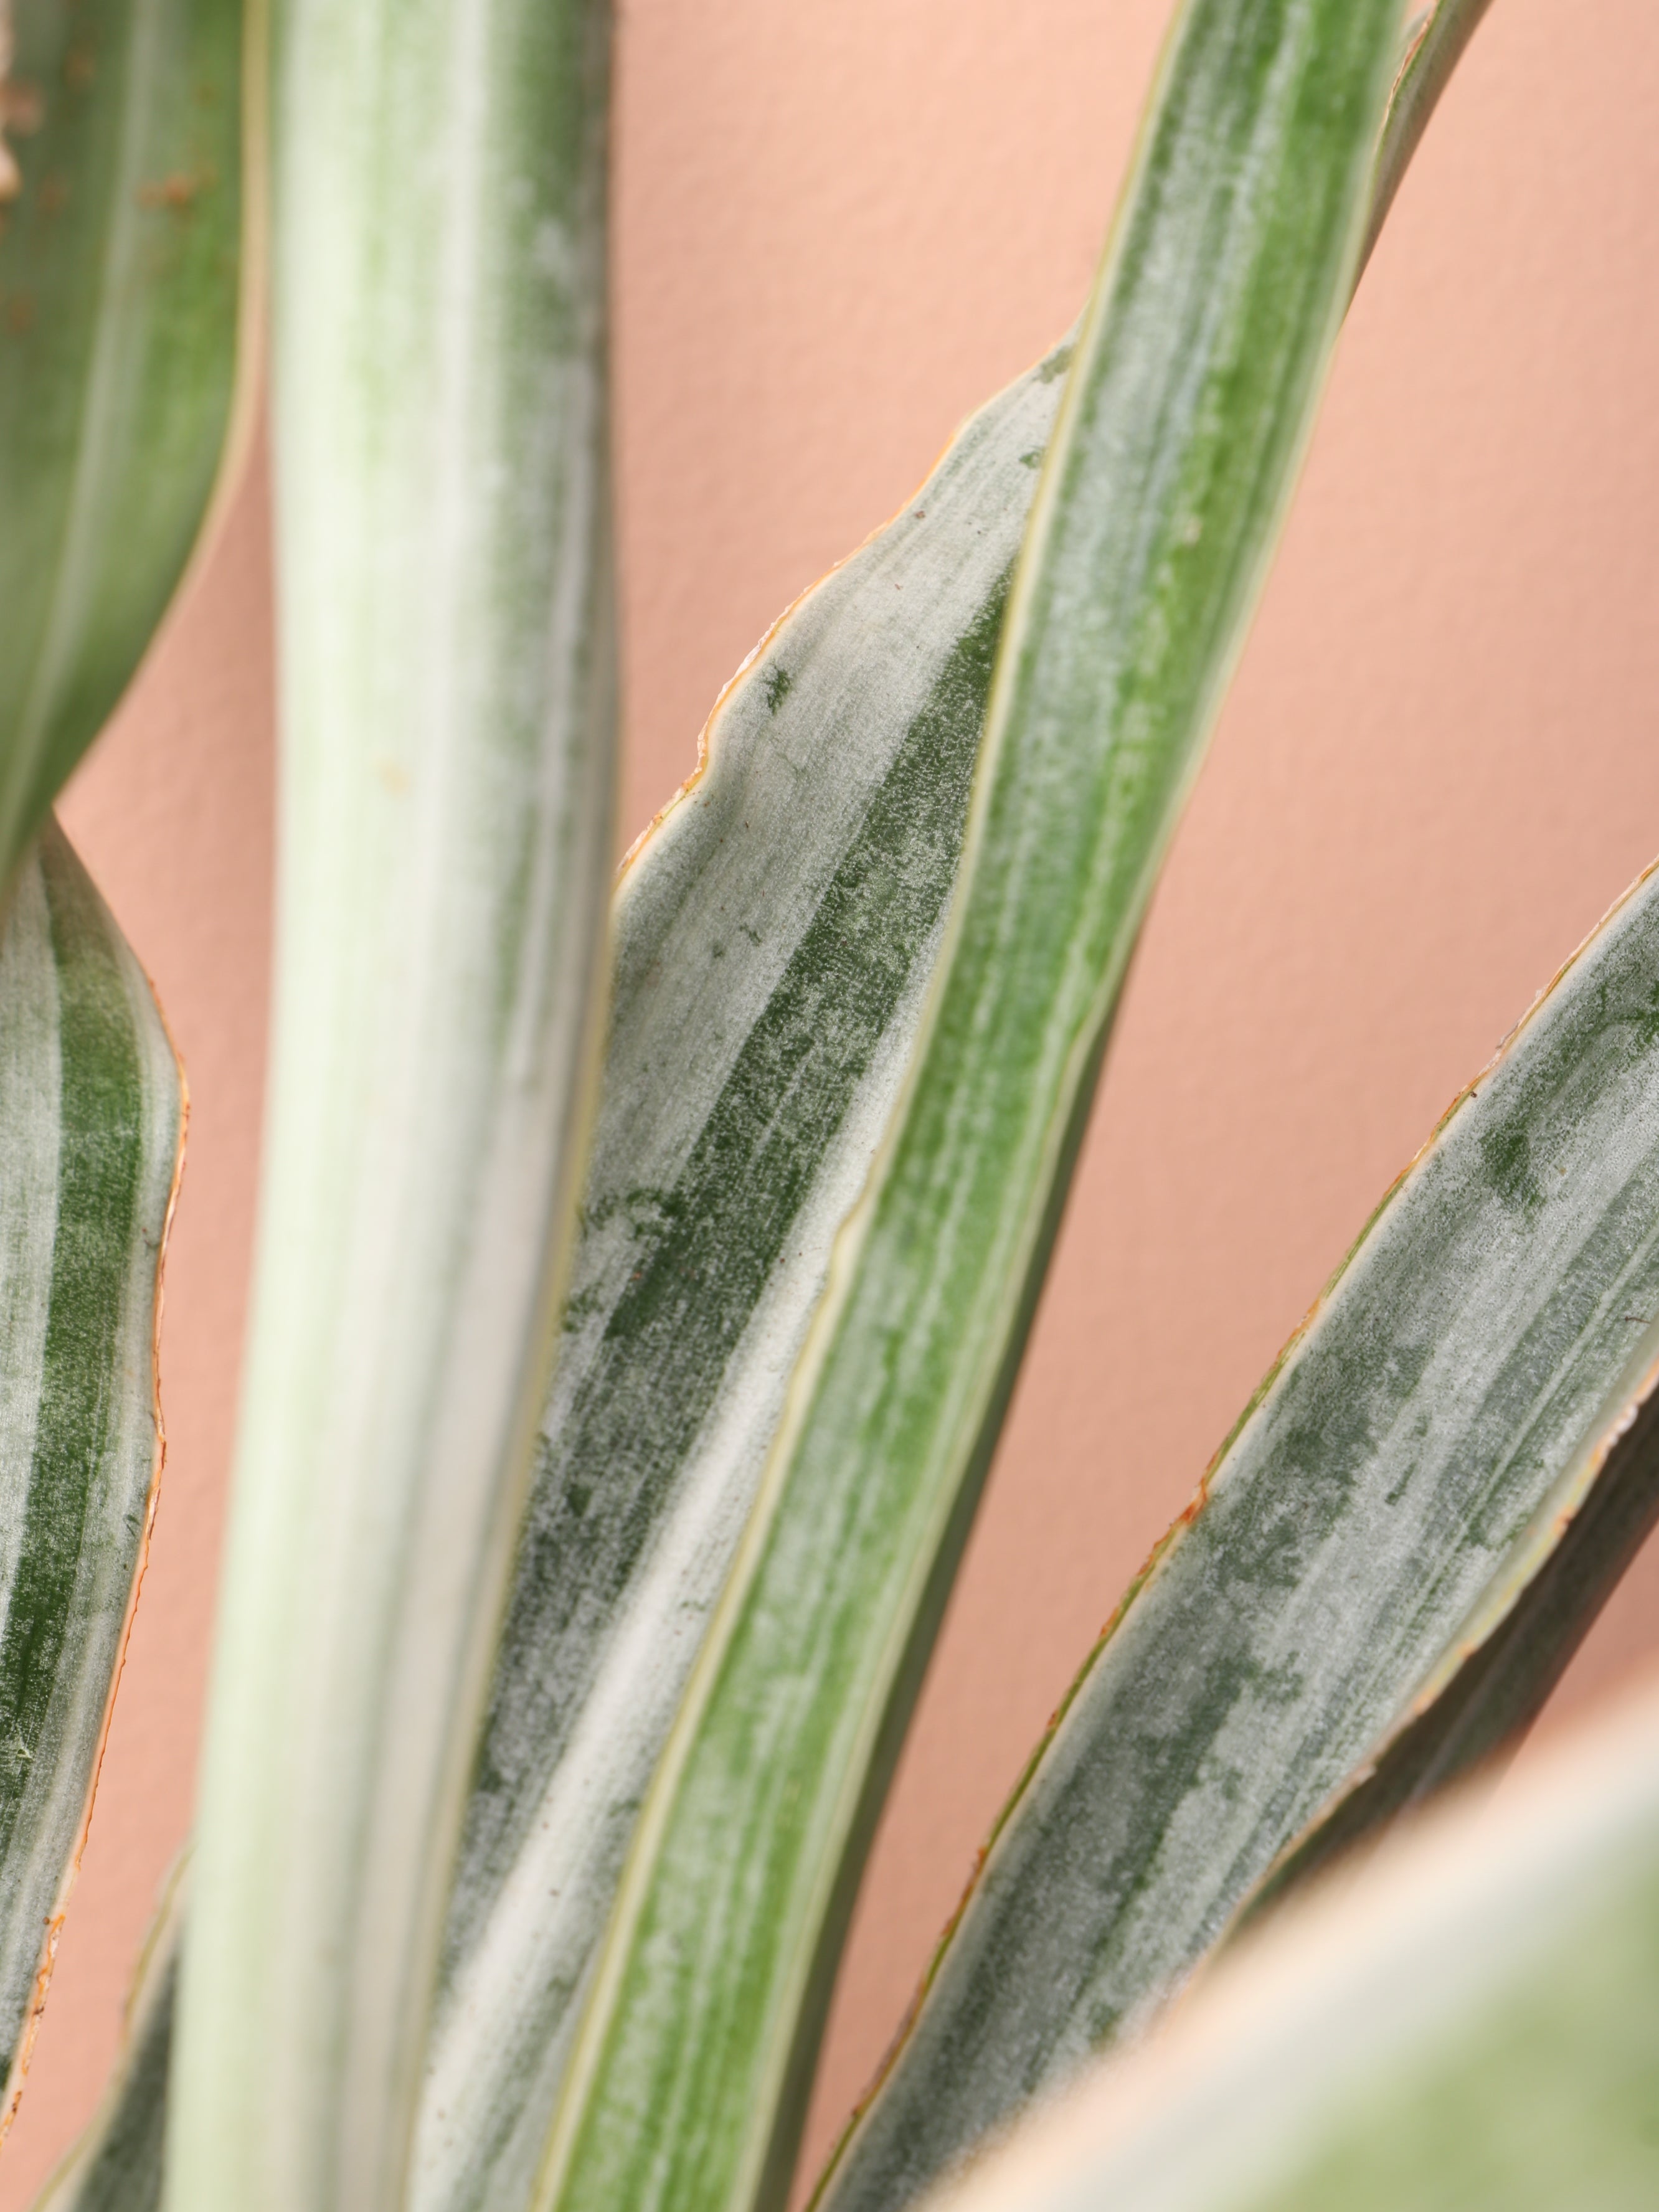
column 774, row 942
column 774, row 936
column 1187, row 407
column 120, row 277
column 1404, row 1477
column 91, row 1127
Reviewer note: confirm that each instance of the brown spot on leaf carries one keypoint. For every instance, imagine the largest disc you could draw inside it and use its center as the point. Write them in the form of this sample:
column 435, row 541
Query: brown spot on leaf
column 177, row 192
column 21, row 108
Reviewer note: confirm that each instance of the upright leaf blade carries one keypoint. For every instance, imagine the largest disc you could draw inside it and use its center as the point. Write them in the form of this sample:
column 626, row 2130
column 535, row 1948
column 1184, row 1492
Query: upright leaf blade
column 1189, row 404
column 91, row 1131
column 1397, row 1495
column 774, row 938
column 444, row 836
column 119, row 280
column 774, row 935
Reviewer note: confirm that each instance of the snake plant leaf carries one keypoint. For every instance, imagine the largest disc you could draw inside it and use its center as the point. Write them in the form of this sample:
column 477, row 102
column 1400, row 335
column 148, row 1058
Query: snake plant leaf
column 116, row 2166
column 91, row 1131
column 445, row 804
column 1472, row 2026
column 1188, row 405
column 119, row 283
column 773, row 937
column 774, row 940
column 1455, row 1452
column 1485, row 1694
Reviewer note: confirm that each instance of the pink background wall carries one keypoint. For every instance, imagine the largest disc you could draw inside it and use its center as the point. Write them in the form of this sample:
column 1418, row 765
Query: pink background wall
column 839, row 227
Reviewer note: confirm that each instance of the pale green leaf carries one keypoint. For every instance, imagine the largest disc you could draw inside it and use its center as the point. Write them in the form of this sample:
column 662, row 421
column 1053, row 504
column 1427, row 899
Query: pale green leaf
column 1189, row 402
column 120, row 259
column 1472, row 2026
column 445, row 680
column 1393, row 1501
column 91, row 1131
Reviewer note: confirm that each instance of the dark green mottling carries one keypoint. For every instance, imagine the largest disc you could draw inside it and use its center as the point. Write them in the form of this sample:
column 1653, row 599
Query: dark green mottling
column 102, row 1151
column 705, row 1250
column 123, row 2172
column 1481, row 1335
column 1193, row 390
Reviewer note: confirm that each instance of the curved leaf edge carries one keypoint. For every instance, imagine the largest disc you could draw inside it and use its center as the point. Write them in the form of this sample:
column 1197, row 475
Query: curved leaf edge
column 1329, row 1830
column 16, row 2080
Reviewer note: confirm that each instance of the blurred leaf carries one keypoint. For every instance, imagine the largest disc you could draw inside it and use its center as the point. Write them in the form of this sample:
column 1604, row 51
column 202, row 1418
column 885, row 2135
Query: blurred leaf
column 447, row 768
column 1433, row 52
column 119, row 261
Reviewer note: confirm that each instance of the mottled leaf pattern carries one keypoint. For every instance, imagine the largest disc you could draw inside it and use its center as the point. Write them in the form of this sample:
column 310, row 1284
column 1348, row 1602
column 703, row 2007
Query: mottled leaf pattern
column 1470, row 2026
column 1188, row 402
column 1402, row 1484
column 91, row 1131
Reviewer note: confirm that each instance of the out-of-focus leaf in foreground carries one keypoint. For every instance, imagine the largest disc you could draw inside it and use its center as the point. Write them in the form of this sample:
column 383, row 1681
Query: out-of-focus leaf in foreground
column 1189, row 400
column 1440, row 1433
column 446, row 766
column 1472, row 2024
column 91, row 1128
column 119, row 283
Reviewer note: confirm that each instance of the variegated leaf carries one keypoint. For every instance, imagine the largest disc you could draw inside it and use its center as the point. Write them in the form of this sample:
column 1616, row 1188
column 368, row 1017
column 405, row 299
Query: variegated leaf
column 774, row 935
column 1401, row 1486
column 91, row 1133
column 1473, row 2026
column 1188, row 405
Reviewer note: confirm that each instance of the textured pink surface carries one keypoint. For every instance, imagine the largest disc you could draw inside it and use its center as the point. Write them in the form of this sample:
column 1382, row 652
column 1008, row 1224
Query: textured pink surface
column 839, row 228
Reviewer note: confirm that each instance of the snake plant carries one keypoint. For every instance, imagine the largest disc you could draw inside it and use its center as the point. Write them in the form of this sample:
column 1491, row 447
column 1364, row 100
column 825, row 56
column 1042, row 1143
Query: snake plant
column 642, row 1273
